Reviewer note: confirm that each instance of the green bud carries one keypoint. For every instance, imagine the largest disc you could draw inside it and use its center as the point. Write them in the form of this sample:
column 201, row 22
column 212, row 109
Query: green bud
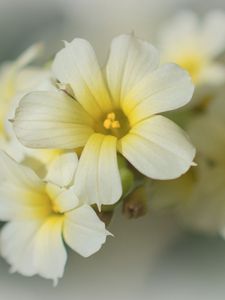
column 122, row 163
column 127, row 178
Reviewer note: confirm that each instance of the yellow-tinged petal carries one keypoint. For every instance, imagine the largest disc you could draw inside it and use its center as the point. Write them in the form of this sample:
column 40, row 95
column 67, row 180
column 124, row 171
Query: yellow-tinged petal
column 20, row 203
column 167, row 88
column 77, row 65
column 17, row 245
column 51, row 120
column 62, row 199
column 129, row 61
column 49, row 253
column 35, row 247
column 17, row 174
column 158, row 148
column 83, row 231
column 194, row 43
column 97, row 179
column 33, row 78
column 213, row 73
column 22, row 194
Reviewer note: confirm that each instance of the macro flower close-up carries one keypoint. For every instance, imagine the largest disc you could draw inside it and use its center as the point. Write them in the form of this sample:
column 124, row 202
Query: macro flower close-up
column 121, row 118
column 112, row 166
column 41, row 214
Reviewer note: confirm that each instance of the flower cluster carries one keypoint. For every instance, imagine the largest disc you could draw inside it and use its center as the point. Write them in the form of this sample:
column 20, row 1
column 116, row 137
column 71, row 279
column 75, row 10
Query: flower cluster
column 78, row 140
column 88, row 140
column 197, row 199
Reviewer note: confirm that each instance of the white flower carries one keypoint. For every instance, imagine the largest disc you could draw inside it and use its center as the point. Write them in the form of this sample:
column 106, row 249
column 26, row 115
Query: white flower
column 205, row 210
column 195, row 45
column 104, row 115
column 198, row 198
column 41, row 215
column 16, row 79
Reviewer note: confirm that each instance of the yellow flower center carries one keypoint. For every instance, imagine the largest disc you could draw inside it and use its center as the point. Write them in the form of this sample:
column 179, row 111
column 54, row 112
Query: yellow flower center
column 113, row 123
column 55, row 208
column 51, row 193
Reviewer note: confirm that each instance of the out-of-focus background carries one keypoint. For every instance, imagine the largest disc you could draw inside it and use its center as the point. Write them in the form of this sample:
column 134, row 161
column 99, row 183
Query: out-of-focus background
column 26, row 21
column 149, row 258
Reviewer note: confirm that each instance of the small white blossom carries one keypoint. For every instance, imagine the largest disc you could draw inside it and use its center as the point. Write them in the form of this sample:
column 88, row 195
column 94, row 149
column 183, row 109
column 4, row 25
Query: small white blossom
column 195, row 45
column 41, row 215
column 109, row 113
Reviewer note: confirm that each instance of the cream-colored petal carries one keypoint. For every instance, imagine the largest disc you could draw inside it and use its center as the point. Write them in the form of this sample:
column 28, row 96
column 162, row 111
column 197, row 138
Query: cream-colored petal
column 212, row 74
column 20, row 203
column 158, row 148
column 17, row 174
column 77, row 65
column 22, row 194
column 11, row 84
column 62, row 169
column 129, row 61
column 97, row 179
column 212, row 42
column 13, row 148
column 167, row 88
column 51, row 120
column 17, row 243
column 31, row 78
column 62, row 199
column 83, row 231
column 35, row 247
column 49, row 253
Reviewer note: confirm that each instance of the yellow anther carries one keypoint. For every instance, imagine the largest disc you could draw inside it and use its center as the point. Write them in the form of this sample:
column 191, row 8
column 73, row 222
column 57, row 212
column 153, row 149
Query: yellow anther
column 111, row 122
column 107, row 123
column 111, row 116
column 115, row 124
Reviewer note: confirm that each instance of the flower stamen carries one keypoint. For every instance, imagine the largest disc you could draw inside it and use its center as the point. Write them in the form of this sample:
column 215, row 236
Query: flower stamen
column 110, row 122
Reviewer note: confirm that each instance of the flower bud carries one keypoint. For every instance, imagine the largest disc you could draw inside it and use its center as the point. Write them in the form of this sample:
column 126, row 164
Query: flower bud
column 135, row 204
